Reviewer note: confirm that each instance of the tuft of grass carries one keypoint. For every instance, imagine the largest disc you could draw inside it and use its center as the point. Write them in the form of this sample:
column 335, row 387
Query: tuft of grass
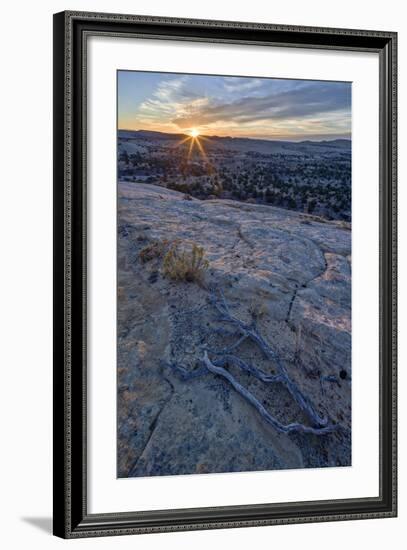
column 257, row 309
column 185, row 262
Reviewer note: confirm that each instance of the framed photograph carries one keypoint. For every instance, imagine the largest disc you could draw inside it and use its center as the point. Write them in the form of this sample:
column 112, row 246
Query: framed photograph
column 224, row 274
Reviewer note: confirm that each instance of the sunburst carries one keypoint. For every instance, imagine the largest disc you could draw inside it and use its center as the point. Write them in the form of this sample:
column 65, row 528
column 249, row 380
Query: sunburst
column 193, row 139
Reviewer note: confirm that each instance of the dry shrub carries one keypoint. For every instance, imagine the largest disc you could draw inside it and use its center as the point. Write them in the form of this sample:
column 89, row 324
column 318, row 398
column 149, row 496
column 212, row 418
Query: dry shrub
column 257, row 308
column 185, row 262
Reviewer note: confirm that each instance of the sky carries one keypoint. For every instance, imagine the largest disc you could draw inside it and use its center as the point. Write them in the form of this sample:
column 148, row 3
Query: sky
column 267, row 108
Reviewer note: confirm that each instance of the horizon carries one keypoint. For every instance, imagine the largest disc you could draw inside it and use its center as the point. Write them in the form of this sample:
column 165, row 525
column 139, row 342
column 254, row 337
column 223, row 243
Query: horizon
column 214, row 136
column 236, row 107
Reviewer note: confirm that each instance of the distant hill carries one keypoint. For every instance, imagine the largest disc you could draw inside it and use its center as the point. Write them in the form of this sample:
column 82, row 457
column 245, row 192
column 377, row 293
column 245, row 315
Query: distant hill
column 343, row 143
column 148, row 134
column 263, row 146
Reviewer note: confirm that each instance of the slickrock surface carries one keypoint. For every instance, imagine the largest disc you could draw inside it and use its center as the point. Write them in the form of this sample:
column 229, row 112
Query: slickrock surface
column 289, row 271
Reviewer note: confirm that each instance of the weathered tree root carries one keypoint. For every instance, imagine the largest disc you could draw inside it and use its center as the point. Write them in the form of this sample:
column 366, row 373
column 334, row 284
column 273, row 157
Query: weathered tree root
column 251, row 332
column 294, row 427
column 216, row 368
column 243, row 331
column 227, row 360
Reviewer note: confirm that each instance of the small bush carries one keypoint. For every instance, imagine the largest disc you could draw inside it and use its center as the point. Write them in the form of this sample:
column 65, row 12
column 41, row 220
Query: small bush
column 185, row 262
column 257, row 309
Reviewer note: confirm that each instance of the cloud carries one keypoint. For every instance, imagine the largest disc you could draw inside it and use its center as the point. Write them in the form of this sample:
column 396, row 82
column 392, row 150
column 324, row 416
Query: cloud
column 308, row 101
column 211, row 103
column 168, row 89
column 234, row 84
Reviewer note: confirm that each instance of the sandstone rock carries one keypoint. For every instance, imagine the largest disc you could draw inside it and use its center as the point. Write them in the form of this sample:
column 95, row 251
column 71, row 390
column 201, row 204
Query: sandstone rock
column 293, row 276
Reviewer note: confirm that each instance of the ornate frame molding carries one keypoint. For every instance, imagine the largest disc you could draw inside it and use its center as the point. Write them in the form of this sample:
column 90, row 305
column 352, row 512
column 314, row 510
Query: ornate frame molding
column 71, row 30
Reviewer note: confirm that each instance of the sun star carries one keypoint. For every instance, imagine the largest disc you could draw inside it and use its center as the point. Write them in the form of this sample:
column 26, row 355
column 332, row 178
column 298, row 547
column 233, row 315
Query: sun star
column 194, row 133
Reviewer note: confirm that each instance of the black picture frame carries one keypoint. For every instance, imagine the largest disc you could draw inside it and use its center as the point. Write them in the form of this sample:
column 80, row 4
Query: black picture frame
column 71, row 518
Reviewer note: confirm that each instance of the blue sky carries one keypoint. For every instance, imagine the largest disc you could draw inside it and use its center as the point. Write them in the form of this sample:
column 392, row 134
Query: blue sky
column 266, row 108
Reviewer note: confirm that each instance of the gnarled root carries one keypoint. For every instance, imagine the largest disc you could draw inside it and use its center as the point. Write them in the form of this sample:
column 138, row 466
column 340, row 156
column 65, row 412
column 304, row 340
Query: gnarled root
column 244, row 331
column 294, row 427
column 251, row 332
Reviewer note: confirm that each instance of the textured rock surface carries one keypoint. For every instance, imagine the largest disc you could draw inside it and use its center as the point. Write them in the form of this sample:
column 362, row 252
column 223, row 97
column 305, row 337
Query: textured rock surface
column 292, row 272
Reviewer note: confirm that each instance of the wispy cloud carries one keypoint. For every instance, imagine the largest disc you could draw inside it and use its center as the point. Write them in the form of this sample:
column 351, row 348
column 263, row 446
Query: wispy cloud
column 236, row 84
column 247, row 106
column 310, row 101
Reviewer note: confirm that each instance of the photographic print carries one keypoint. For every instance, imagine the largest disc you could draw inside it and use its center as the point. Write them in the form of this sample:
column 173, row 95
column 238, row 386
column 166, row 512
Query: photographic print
column 233, row 274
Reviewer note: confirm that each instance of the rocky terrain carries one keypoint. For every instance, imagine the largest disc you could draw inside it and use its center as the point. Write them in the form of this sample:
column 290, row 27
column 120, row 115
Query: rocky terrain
column 287, row 274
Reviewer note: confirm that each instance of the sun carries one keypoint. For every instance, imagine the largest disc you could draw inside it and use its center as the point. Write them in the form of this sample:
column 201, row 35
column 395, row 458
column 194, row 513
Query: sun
column 194, row 133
